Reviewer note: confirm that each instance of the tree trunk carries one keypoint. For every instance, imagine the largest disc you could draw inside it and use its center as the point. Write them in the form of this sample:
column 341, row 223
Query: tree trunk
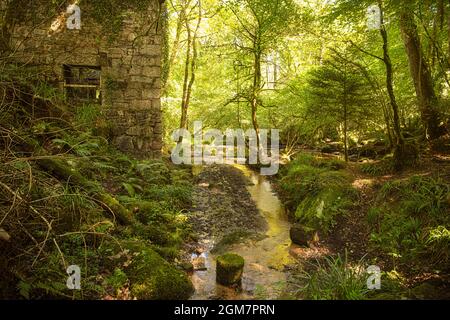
column 345, row 133
column 345, row 103
column 175, row 48
column 448, row 36
column 184, row 105
column 399, row 147
column 190, row 63
column 64, row 172
column 256, row 89
column 421, row 75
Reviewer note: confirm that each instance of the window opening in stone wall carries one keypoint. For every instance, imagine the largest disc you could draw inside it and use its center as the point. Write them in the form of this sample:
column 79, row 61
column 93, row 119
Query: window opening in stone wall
column 82, row 84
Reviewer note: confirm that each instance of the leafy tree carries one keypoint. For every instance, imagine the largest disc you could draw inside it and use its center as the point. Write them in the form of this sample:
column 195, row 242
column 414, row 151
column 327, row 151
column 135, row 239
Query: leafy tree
column 259, row 24
column 340, row 95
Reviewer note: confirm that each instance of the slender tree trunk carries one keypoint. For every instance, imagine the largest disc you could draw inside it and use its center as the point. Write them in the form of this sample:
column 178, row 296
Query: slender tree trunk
column 421, row 75
column 183, row 121
column 194, row 57
column 448, row 36
column 189, row 66
column 175, row 47
column 346, row 132
column 345, row 115
column 399, row 147
column 256, row 88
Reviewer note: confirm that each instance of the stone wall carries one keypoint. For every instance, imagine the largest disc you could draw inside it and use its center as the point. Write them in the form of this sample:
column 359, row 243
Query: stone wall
column 130, row 63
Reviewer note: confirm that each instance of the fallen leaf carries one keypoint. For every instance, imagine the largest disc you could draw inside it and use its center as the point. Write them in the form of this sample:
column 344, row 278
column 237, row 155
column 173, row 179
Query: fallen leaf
column 4, row 235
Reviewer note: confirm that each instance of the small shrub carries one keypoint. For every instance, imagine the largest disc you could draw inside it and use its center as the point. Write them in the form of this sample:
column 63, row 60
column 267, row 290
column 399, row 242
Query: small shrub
column 334, row 279
column 380, row 168
column 117, row 280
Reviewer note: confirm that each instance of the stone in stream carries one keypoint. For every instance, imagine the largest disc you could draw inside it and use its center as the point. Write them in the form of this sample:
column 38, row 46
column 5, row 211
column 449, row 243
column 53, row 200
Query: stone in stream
column 300, row 236
column 229, row 269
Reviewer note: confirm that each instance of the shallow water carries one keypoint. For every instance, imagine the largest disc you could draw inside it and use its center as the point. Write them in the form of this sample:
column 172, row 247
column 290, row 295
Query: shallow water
column 264, row 276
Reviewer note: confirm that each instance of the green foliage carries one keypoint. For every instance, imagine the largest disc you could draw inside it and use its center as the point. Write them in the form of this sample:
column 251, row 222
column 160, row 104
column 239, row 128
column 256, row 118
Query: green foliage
column 334, row 279
column 339, row 94
column 178, row 196
column 117, row 280
column 153, row 278
column 87, row 114
column 317, row 190
column 412, row 220
column 382, row 167
column 438, row 244
column 82, row 145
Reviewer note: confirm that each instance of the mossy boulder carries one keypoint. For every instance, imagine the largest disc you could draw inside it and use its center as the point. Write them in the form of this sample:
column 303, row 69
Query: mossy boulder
column 299, row 235
column 153, row 278
column 229, row 269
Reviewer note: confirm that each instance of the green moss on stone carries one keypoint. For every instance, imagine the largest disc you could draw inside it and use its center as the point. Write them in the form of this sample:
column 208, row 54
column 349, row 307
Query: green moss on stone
column 153, row 278
column 229, row 269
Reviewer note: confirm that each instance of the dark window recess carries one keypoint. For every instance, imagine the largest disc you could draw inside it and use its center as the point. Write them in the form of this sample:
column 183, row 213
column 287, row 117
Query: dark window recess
column 82, row 84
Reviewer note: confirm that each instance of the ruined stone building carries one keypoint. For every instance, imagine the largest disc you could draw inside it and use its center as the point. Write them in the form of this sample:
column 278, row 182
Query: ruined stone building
column 120, row 71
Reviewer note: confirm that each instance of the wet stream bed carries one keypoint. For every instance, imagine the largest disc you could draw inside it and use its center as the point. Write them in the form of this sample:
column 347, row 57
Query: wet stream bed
column 221, row 208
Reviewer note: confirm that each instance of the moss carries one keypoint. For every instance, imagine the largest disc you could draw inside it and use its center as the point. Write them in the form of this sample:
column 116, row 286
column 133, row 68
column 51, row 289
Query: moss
column 229, row 269
column 68, row 173
column 156, row 234
column 177, row 196
column 187, row 266
column 153, row 278
column 117, row 280
column 317, row 191
column 168, row 253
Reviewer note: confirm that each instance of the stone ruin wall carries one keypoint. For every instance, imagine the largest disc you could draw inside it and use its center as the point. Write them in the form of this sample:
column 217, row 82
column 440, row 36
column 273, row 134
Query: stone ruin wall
column 130, row 71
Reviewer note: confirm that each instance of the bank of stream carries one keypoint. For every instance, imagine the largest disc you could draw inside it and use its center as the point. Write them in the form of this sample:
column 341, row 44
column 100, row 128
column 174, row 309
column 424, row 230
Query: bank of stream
column 221, row 209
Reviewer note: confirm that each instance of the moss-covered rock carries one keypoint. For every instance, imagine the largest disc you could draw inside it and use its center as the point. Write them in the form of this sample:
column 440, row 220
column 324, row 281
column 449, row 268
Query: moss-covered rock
column 153, row 278
column 229, row 269
column 300, row 236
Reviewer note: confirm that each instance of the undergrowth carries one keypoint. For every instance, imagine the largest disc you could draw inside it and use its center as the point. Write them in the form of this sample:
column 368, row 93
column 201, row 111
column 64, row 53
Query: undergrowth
column 334, row 278
column 411, row 221
column 317, row 190
column 48, row 223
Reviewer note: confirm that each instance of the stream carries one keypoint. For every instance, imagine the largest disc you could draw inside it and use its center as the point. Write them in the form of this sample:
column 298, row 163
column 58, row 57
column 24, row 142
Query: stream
column 265, row 258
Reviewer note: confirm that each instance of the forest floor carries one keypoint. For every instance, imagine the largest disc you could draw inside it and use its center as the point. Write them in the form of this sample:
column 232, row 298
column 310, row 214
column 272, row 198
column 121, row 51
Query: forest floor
column 351, row 234
column 352, row 231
